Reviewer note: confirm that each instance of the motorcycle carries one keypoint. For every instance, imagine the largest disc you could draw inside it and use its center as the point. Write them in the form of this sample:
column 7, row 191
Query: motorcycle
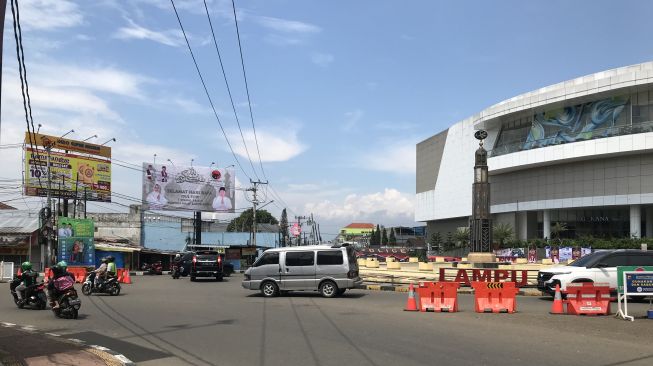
column 69, row 303
column 178, row 270
column 111, row 286
column 34, row 295
column 154, row 268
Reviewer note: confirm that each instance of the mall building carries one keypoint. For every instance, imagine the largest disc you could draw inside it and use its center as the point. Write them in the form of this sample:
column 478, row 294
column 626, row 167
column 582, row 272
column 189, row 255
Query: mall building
column 578, row 152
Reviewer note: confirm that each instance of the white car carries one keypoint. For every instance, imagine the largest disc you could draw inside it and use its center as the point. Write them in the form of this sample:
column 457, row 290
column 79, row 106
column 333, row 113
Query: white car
column 599, row 267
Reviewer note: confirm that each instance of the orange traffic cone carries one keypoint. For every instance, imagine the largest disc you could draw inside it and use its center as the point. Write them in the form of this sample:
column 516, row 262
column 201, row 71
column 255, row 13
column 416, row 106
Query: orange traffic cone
column 411, row 304
column 126, row 278
column 557, row 307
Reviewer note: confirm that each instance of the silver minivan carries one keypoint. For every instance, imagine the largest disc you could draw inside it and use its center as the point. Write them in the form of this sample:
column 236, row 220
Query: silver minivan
column 331, row 270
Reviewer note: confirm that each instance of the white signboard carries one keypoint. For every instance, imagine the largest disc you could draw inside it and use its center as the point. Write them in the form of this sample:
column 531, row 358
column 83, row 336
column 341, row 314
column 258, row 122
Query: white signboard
column 173, row 188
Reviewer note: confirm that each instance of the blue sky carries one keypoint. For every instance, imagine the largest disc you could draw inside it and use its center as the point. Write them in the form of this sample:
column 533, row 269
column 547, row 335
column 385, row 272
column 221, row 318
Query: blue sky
column 341, row 90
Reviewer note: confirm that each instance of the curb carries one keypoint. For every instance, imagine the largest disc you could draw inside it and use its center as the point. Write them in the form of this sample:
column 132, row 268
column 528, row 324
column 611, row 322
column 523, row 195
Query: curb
column 464, row 290
column 109, row 356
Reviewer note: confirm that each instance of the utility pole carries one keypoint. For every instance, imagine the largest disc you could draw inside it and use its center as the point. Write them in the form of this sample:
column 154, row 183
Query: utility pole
column 255, row 201
column 49, row 252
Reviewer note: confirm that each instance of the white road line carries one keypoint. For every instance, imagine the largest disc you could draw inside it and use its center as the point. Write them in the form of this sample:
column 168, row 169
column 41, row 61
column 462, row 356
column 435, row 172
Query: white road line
column 5, row 324
column 53, row 334
column 76, row 340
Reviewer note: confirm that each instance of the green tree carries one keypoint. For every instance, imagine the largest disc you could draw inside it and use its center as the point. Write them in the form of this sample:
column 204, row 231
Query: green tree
column 372, row 236
column 246, row 219
column 384, row 238
column 461, row 236
column 436, row 241
column 502, row 232
column 377, row 235
column 558, row 229
column 448, row 242
column 393, row 238
column 283, row 227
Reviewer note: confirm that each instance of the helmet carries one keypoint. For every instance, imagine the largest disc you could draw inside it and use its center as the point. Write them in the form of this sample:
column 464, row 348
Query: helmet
column 110, row 258
column 63, row 265
column 26, row 266
column 177, row 256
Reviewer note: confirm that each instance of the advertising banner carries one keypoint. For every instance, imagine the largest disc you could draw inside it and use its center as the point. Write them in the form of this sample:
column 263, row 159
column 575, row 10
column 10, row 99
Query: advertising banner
column 639, row 283
column 60, row 143
column 566, row 253
column 72, row 176
column 169, row 187
column 76, row 245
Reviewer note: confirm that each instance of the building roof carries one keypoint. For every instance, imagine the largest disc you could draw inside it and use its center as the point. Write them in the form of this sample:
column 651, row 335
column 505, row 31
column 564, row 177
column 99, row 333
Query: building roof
column 359, row 225
column 18, row 222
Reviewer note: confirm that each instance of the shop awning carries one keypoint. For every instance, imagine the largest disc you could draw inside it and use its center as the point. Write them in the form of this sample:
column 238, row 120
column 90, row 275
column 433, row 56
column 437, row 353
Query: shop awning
column 115, row 248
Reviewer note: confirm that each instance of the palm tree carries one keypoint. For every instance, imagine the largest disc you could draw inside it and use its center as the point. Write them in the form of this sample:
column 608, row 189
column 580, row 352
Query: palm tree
column 558, row 229
column 461, row 236
column 501, row 233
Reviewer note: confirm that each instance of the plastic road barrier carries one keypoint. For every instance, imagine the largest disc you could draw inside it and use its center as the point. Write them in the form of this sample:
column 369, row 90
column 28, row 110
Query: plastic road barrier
column 495, row 297
column 438, row 296
column 587, row 298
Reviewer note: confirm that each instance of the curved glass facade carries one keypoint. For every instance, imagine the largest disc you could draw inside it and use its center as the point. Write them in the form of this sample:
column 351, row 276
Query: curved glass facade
column 605, row 117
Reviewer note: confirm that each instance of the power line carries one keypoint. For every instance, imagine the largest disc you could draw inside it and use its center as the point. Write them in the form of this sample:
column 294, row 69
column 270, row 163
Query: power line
column 199, row 73
column 224, row 74
column 249, row 102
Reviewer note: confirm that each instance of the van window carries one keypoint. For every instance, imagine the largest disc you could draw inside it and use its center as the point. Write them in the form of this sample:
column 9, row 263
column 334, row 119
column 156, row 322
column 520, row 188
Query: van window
column 268, row 258
column 641, row 260
column 332, row 257
column 296, row 259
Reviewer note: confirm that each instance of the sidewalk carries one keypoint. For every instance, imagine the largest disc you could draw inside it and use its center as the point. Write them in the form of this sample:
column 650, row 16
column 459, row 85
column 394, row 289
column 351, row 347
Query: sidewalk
column 18, row 347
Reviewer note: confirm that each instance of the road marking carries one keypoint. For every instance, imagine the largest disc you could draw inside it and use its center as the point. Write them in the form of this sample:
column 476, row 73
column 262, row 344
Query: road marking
column 8, row 325
column 53, row 334
column 28, row 328
column 76, row 340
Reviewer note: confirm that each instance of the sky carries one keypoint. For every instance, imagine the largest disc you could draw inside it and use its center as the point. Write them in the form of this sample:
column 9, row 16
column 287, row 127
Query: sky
column 341, row 91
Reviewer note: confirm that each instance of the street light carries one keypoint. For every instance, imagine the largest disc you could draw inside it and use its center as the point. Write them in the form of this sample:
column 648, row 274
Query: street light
column 173, row 164
column 229, row 166
column 212, row 164
column 191, row 162
column 67, row 133
column 155, row 159
column 39, row 129
column 94, row 136
column 107, row 141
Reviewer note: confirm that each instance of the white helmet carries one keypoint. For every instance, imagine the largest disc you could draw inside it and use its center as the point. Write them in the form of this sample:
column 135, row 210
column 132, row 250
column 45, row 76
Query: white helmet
column 177, row 256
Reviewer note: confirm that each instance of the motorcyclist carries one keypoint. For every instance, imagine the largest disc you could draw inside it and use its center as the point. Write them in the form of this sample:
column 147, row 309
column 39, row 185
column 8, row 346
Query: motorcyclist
column 59, row 270
column 101, row 273
column 177, row 262
column 27, row 278
column 112, row 272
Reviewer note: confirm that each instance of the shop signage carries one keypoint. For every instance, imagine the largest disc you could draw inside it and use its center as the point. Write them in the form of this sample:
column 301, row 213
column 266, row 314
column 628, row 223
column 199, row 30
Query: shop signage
column 467, row 276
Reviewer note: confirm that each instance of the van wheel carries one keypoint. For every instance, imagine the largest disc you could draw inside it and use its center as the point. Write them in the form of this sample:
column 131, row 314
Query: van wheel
column 328, row 289
column 269, row 289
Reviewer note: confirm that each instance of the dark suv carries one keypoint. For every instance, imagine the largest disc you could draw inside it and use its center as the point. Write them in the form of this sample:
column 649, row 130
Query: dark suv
column 207, row 263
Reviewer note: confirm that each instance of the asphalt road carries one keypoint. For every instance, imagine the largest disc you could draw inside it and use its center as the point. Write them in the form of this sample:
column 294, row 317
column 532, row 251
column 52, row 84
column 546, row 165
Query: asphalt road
column 160, row 321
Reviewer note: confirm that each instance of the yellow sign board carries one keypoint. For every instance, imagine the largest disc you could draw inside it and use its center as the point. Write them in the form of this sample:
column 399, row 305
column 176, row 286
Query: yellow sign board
column 54, row 142
column 72, row 176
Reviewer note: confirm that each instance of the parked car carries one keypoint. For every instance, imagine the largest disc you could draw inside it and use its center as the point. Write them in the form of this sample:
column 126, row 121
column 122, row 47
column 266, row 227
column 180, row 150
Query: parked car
column 331, row 270
column 207, row 263
column 599, row 267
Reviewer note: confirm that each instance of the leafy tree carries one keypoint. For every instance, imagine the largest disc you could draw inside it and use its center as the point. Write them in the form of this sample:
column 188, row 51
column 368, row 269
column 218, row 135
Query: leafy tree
column 461, row 236
column 246, row 219
column 384, row 238
column 377, row 235
column 436, row 241
column 393, row 238
column 558, row 229
column 448, row 242
column 283, row 227
column 502, row 232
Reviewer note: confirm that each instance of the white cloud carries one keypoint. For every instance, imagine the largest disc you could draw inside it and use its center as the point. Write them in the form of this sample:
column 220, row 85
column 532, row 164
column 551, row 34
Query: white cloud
column 273, row 146
column 352, row 118
column 322, row 59
column 49, row 14
column 398, row 158
column 84, row 37
column 389, row 206
column 286, row 26
column 279, row 40
column 171, row 37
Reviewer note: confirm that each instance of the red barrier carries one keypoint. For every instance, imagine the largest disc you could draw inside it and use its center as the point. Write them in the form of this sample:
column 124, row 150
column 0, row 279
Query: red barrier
column 438, row 296
column 495, row 297
column 588, row 298
column 79, row 273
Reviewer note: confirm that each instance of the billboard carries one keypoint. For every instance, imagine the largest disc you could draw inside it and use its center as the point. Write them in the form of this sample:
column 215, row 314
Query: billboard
column 72, row 175
column 59, row 143
column 76, row 245
column 169, row 187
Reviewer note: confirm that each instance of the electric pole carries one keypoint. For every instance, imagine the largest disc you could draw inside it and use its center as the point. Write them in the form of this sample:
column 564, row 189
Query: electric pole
column 299, row 223
column 255, row 201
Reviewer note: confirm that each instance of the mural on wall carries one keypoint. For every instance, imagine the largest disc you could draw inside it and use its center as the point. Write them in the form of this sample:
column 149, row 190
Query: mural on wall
column 580, row 122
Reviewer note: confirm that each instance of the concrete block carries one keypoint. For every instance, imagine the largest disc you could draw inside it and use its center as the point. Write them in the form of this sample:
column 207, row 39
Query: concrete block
column 389, row 259
column 372, row 263
column 439, row 260
column 413, row 260
column 547, row 261
column 393, row 265
column 361, row 262
column 521, row 261
column 425, row 266
column 463, row 259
